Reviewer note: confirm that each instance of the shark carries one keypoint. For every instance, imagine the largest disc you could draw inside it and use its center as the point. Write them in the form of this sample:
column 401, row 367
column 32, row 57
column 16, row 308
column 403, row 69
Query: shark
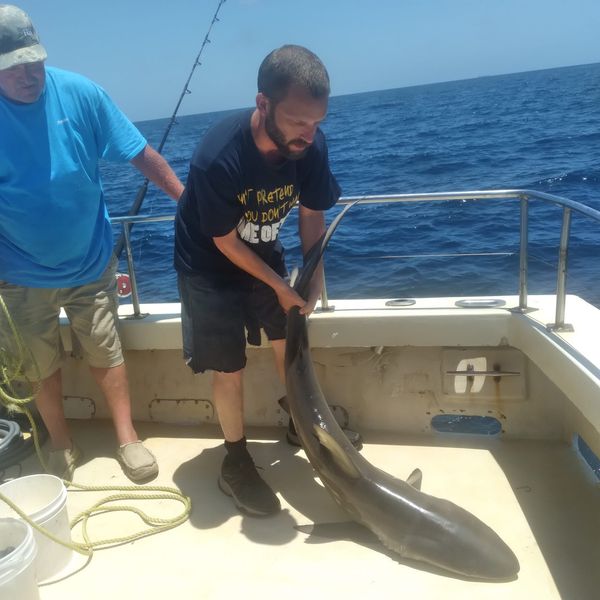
column 411, row 524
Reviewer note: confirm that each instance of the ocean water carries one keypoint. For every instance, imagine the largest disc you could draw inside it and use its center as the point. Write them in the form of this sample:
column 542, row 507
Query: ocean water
column 537, row 130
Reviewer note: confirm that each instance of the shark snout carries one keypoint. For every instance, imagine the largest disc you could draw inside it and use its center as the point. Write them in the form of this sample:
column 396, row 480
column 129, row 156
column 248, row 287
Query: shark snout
column 471, row 549
column 494, row 560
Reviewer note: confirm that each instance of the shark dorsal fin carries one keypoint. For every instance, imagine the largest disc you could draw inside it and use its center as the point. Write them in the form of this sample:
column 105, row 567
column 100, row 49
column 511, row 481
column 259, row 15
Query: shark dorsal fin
column 415, row 479
column 327, row 440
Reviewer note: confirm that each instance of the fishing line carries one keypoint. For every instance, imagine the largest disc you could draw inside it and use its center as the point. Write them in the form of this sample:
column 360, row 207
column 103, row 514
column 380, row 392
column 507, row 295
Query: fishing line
column 143, row 189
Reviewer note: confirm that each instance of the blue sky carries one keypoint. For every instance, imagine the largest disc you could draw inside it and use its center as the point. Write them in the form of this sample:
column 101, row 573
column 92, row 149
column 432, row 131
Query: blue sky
column 141, row 51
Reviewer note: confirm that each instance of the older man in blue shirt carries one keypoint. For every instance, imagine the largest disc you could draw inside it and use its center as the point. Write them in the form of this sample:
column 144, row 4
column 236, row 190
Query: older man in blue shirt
column 55, row 236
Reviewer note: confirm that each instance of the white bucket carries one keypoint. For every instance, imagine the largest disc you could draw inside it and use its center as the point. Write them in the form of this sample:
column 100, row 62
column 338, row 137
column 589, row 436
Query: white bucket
column 43, row 498
column 17, row 555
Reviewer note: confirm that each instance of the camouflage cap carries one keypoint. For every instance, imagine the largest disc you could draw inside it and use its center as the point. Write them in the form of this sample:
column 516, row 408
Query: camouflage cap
column 19, row 42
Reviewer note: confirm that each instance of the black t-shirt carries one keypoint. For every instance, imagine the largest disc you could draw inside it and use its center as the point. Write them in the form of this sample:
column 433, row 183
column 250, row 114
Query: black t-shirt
column 230, row 185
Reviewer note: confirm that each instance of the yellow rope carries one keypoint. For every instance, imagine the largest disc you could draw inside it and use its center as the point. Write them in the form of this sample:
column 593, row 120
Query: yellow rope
column 11, row 369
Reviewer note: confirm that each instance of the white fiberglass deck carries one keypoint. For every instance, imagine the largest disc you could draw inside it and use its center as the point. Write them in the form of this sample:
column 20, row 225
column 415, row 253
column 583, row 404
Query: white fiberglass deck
column 535, row 494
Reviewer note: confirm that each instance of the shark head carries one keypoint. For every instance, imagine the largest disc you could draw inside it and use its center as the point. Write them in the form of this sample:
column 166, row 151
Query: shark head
column 421, row 527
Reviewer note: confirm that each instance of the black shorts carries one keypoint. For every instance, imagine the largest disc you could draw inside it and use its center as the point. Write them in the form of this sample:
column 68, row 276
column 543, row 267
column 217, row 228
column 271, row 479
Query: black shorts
column 214, row 318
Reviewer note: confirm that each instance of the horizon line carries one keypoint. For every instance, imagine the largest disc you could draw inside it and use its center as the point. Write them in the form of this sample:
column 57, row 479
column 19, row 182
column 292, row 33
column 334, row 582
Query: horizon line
column 400, row 87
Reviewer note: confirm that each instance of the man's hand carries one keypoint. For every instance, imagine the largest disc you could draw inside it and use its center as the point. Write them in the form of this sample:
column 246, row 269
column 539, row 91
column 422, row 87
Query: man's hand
column 309, row 307
column 239, row 254
column 288, row 297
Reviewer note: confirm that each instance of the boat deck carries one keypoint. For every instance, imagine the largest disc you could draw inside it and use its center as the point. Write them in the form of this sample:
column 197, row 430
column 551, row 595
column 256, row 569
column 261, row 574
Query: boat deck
column 535, row 494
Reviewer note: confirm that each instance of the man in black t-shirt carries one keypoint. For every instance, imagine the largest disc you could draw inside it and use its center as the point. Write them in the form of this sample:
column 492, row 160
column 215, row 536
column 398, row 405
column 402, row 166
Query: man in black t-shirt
column 245, row 176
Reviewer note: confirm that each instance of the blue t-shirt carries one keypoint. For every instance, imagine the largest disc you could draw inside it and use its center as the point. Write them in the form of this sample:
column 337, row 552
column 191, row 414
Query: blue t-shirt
column 54, row 227
column 230, row 185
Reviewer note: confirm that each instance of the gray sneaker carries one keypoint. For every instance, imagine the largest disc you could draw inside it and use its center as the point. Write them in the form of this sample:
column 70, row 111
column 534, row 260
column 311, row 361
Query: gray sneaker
column 137, row 462
column 63, row 463
column 249, row 491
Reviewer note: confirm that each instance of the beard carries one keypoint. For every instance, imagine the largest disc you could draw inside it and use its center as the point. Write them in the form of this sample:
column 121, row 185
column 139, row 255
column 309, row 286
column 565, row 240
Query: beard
column 278, row 138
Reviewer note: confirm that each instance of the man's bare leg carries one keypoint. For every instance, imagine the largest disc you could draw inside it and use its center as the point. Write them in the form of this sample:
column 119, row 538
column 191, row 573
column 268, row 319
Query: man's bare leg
column 49, row 403
column 137, row 461
column 279, row 351
column 64, row 456
column 114, row 385
column 239, row 477
column 228, row 396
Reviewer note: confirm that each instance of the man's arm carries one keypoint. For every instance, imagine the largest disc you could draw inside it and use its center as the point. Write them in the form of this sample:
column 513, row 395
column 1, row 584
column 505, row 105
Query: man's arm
column 153, row 166
column 312, row 227
column 239, row 254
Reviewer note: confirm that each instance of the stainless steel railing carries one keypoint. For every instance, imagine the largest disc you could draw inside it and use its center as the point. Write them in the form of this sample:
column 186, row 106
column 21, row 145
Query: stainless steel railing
column 523, row 196
column 126, row 223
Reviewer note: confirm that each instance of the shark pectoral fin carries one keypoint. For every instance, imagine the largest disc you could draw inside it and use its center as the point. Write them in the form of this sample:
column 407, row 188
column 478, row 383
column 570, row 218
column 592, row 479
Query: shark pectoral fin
column 415, row 479
column 344, row 530
column 341, row 458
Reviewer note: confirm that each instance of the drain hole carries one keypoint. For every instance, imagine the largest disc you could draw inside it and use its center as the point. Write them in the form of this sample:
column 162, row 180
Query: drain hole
column 401, row 302
column 480, row 303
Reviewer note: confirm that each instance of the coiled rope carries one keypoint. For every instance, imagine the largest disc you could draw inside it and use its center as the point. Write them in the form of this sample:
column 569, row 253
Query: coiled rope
column 11, row 370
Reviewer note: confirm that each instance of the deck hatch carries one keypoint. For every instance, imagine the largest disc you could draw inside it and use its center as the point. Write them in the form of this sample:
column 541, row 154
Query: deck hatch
column 470, row 424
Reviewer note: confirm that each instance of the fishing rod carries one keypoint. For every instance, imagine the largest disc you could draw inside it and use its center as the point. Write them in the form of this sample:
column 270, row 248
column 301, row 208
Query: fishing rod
column 142, row 190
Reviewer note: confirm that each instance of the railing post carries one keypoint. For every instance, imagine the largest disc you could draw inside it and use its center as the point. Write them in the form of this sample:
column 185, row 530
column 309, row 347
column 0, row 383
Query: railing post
column 523, row 253
column 561, row 283
column 135, row 299
column 324, row 299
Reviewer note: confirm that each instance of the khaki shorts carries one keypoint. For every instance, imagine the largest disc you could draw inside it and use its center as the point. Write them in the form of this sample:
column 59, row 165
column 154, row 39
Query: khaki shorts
column 92, row 313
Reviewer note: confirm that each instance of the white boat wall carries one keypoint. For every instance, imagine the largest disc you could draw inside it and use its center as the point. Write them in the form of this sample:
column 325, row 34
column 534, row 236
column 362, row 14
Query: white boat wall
column 524, row 370
column 390, row 368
